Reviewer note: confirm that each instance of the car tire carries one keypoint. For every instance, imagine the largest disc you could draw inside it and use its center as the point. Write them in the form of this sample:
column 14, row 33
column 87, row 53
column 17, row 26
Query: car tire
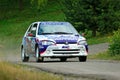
column 82, row 58
column 63, row 59
column 23, row 56
column 37, row 55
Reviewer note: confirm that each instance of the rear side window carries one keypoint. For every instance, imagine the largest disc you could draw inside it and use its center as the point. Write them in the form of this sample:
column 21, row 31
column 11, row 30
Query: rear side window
column 33, row 28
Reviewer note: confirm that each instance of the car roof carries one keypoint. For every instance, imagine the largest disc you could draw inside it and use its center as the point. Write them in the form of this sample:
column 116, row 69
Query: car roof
column 50, row 22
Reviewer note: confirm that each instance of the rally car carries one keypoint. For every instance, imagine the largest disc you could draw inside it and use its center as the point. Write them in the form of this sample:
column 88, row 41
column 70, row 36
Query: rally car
column 52, row 39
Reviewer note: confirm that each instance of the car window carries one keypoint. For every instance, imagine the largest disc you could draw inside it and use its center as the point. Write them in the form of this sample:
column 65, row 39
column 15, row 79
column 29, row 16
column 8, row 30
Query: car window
column 32, row 29
column 56, row 28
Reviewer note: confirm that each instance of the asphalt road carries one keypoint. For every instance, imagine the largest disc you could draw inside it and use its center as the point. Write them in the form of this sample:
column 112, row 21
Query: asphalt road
column 90, row 70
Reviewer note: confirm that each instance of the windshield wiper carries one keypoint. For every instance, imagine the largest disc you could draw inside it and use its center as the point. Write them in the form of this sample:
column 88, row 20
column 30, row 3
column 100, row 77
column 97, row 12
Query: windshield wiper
column 55, row 33
column 62, row 33
column 46, row 33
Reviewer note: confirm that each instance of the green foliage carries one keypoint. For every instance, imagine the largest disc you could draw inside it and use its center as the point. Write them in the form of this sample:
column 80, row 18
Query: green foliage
column 40, row 4
column 95, row 15
column 98, row 39
column 88, row 33
column 10, row 7
column 115, row 44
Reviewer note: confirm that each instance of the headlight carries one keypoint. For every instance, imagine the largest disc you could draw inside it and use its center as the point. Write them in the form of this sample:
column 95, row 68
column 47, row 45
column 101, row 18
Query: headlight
column 82, row 42
column 46, row 42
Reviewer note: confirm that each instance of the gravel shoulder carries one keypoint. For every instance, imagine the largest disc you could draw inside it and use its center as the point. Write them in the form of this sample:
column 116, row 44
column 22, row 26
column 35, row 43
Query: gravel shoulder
column 93, row 49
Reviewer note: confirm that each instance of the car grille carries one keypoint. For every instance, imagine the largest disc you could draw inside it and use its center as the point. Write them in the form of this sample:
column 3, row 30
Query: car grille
column 66, row 51
column 65, row 42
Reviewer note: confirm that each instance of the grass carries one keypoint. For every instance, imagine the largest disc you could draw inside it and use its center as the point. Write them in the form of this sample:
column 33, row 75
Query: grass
column 104, row 56
column 15, row 72
column 99, row 39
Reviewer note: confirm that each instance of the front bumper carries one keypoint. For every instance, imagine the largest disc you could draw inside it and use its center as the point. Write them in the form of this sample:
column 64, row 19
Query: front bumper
column 62, row 50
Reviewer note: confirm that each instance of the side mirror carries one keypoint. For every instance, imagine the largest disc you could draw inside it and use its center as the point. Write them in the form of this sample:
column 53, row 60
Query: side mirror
column 30, row 34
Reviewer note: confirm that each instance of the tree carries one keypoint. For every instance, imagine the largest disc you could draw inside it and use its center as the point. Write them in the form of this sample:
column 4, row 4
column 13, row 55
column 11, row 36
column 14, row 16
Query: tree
column 7, row 7
column 95, row 15
column 20, row 5
column 39, row 3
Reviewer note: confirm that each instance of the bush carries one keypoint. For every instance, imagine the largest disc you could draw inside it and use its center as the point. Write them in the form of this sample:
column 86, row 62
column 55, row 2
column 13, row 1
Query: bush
column 115, row 44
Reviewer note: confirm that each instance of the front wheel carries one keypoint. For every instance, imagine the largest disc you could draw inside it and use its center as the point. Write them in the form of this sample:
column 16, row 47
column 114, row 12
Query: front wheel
column 37, row 55
column 82, row 58
column 23, row 56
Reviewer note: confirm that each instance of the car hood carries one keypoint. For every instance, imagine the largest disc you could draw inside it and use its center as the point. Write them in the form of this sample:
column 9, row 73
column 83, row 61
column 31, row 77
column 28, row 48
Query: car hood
column 62, row 38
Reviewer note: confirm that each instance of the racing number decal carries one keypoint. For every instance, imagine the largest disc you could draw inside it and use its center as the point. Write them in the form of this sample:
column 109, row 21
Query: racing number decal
column 33, row 44
column 28, row 44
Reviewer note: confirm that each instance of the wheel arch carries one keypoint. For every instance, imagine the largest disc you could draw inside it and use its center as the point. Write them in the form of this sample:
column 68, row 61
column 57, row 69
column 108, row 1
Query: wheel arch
column 36, row 45
column 21, row 47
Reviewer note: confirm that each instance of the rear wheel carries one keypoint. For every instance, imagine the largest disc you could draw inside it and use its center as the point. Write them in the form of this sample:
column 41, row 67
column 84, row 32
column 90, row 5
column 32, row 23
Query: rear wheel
column 63, row 59
column 82, row 58
column 37, row 55
column 23, row 56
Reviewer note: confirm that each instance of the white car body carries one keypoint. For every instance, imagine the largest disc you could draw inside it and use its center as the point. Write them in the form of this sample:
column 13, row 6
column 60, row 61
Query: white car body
column 54, row 40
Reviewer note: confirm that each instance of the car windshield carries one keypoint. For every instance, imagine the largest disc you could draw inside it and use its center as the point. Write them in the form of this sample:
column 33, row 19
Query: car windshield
column 56, row 28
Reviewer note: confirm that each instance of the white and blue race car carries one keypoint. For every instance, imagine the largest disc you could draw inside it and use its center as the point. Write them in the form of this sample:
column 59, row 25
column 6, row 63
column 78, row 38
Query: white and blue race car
column 53, row 40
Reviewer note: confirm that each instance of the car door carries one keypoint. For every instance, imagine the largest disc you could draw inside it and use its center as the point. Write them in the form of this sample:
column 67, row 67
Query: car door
column 30, row 39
